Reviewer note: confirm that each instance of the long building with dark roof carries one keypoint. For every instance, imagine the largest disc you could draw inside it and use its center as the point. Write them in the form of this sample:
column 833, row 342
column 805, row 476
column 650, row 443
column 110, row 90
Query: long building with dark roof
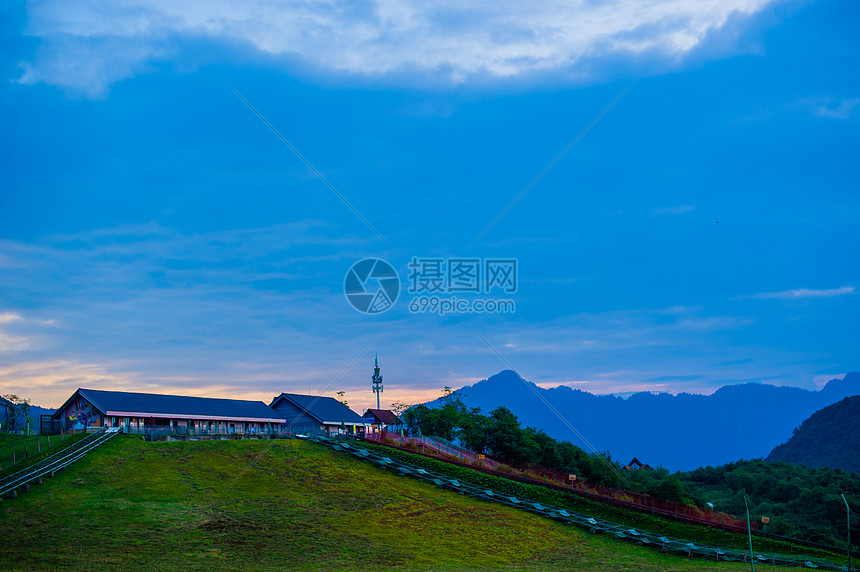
column 380, row 419
column 91, row 408
column 314, row 414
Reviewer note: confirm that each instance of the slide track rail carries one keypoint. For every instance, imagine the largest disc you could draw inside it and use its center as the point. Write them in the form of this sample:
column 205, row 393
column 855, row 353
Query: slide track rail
column 591, row 524
column 57, row 461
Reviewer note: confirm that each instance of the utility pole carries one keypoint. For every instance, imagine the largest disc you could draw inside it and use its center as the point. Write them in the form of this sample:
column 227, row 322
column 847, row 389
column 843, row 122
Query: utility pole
column 848, row 510
column 749, row 534
column 377, row 380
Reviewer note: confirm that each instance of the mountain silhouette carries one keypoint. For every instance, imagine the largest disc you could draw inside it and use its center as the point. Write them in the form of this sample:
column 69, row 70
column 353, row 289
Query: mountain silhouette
column 829, row 438
column 679, row 432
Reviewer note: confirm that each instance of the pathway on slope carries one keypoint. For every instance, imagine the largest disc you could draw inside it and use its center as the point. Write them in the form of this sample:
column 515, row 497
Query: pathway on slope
column 50, row 465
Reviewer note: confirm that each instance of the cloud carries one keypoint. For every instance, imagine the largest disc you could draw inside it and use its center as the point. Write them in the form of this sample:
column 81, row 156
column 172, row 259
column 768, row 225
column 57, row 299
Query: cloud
column 50, row 382
column 628, row 389
column 89, row 44
column 7, row 317
column 10, row 343
column 555, row 384
column 713, row 323
column 732, row 362
column 830, row 107
column 155, row 309
column 675, row 210
column 676, row 378
column 800, row 293
column 821, row 380
column 19, row 333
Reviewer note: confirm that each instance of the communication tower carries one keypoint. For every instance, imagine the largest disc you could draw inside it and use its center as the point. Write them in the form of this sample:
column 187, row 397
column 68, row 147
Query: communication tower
column 377, row 380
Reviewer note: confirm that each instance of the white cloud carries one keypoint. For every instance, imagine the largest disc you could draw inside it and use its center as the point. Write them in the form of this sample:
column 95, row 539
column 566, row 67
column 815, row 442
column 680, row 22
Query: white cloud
column 88, row 44
column 684, row 209
column 7, row 317
column 13, row 341
column 713, row 323
column 49, row 383
column 821, row 380
column 10, row 343
column 802, row 293
column 831, row 107
column 153, row 309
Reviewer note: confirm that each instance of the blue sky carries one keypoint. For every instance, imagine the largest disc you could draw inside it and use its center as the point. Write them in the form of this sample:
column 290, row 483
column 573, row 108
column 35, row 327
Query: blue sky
column 155, row 235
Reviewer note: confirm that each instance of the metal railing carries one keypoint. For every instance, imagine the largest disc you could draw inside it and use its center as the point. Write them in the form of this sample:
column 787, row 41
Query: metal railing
column 437, row 445
column 160, row 431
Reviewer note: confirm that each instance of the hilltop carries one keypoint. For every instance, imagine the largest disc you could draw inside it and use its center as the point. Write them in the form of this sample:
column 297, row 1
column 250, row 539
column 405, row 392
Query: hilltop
column 829, row 438
column 220, row 505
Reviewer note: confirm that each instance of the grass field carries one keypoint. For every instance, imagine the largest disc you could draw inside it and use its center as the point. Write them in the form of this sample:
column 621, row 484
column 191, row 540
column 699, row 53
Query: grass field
column 169, row 505
column 702, row 535
column 25, row 449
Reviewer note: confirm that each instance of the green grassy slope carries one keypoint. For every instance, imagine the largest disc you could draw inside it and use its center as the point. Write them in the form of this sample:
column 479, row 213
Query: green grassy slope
column 702, row 535
column 301, row 506
column 16, row 444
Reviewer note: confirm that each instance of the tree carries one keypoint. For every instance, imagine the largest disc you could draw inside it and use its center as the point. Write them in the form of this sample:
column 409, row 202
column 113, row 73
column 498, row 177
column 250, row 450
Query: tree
column 473, row 430
column 547, row 452
column 503, row 433
column 399, row 408
column 442, row 421
column 414, row 419
column 17, row 411
column 449, row 395
column 340, row 398
column 670, row 488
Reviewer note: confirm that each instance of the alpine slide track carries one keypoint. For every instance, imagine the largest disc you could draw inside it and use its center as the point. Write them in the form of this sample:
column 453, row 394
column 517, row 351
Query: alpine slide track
column 10, row 485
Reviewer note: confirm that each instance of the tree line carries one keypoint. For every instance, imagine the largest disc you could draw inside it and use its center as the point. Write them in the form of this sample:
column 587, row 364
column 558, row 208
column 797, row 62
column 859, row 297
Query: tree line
column 501, row 435
column 799, row 502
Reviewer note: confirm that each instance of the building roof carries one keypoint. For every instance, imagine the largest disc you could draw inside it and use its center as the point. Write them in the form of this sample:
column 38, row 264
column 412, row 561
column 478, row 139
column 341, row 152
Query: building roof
column 636, row 464
column 385, row 416
column 127, row 404
column 324, row 409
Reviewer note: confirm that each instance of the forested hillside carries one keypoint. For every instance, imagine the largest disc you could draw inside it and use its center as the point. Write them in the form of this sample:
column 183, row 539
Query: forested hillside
column 800, row 502
column 829, row 438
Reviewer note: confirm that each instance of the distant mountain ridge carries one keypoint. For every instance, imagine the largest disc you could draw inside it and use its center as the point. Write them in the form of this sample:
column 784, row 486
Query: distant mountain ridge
column 829, row 438
column 680, row 432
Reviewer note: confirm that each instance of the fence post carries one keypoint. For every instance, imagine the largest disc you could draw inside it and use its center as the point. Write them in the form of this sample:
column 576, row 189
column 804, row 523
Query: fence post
column 848, row 509
column 749, row 534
